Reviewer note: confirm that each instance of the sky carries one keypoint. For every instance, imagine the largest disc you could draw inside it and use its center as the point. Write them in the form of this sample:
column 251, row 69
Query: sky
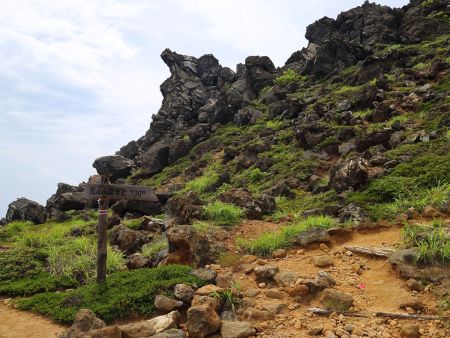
column 80, row 78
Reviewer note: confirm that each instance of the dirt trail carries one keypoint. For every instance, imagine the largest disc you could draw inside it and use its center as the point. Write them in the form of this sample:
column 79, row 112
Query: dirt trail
column 375, row 287
column 21, row 324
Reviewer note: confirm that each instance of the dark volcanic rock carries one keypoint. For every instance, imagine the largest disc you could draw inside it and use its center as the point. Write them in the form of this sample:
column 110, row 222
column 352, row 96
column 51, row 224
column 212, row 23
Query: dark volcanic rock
column 154, row 159
column 114, row 166
column 352, row 173
column 129, row 241
column 182, row 209
column 24, row 209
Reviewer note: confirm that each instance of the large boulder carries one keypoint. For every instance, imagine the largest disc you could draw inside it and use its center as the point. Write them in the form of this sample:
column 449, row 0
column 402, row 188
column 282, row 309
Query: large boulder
column 352, row 173
column 24, row 209
column 183, row 209
column 336, row 300
column 129, row 241
column 260, row 71
column 67, row 197
column 85, row 321
column 186, row 246
column 114, row 166
column 137, row 208
column 202, row 321
column 154, row 159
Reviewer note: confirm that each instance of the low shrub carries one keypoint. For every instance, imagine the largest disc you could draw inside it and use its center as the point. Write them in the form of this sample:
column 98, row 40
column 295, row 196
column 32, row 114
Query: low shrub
column 123, row 294
column 266, row 243
column 42, row 282
column 223, row 213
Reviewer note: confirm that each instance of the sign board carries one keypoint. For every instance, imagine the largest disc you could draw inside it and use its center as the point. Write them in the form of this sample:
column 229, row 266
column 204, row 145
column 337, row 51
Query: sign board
column 120, row 192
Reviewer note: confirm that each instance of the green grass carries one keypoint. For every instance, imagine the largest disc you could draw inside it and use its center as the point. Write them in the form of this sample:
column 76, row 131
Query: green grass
column 134, row 223
column 266, row 243
column 202, row 183
column 76, row 259
column 122, row 295
column 433, row 245
column 223, row 213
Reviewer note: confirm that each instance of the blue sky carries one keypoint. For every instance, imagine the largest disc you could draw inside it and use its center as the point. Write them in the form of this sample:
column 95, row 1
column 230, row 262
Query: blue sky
column 80, row 78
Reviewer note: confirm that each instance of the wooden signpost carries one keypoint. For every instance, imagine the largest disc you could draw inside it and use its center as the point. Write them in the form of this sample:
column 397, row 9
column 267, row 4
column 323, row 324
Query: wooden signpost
column 104, row 191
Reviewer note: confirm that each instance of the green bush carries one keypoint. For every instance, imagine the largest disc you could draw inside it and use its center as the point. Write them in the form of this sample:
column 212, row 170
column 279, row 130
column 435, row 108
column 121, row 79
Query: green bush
column 223, row 213
column 77, row 259
column 288, row 76
column 123, row 294
column 266, row 243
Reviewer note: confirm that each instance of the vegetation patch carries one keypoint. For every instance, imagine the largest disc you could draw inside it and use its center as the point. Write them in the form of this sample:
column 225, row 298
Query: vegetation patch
column 42, row 282
column 223, row 213
column 151, row 250
column 122, row 295
column 266, row 243
column 289, row 76
column 432, row 242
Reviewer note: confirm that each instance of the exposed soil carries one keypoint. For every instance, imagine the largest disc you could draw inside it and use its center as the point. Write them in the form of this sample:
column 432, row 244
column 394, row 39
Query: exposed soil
column 377, row 287
column 21, row 324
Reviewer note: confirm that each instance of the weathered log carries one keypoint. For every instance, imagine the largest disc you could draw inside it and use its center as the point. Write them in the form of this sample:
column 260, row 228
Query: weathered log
column 372, row 251
column 324, row 312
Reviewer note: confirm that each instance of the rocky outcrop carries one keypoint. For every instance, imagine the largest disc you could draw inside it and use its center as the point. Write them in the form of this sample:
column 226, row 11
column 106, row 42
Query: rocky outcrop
column 114, row 167
column 352, row 173
column 342, row 42
column 67, row 197
column 24, row 209
column 129, row 241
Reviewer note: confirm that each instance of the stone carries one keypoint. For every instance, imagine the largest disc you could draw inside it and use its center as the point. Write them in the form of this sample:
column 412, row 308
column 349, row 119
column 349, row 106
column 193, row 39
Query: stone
column 322, row 261
column 137, row 261
column 129, row 241
column 237, row 329
column 208, row 290
column 184, row 292
column 352, row 213
column 224, row 279
column 414, row 285
column 154, row 159
column 274, row 293
column 352, row 173
column 114, row 167
column 409, row 331
column 265, row 273
column 106, row 332
column 152, row 326
column 206, row 274
column 314, row 235
column 253, row 314
column 279, row 253
column 171, row 333
column 24, row 209
column 431, row 212
column 298, row 291
column 274, row 307
column 182, row 209
column 202, row 321
column 286, row 278
column 210, row 300
column 165, row 304
column 252, row 293
column 187, row 246
column 316, row 329
column 413, row 303
column 336, row 300
column 85, row 320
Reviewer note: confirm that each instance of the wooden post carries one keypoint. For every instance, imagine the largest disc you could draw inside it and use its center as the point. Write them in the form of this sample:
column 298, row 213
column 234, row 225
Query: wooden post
column 102, row 228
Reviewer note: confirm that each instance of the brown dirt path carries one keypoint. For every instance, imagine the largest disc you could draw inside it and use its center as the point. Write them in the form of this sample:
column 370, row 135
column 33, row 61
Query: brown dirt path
column 21, row 324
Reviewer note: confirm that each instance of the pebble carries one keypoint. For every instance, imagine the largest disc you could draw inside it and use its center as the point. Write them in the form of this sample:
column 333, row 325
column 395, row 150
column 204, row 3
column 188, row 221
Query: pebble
column 262, row 285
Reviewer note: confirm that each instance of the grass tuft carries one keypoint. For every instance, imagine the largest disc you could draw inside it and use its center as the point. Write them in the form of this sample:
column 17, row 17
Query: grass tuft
column 266, row 243
column 223, row 213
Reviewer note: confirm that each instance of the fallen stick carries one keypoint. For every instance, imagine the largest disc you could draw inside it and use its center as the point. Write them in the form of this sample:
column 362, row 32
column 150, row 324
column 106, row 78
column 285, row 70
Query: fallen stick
column 320, row 311
column 374, row 251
